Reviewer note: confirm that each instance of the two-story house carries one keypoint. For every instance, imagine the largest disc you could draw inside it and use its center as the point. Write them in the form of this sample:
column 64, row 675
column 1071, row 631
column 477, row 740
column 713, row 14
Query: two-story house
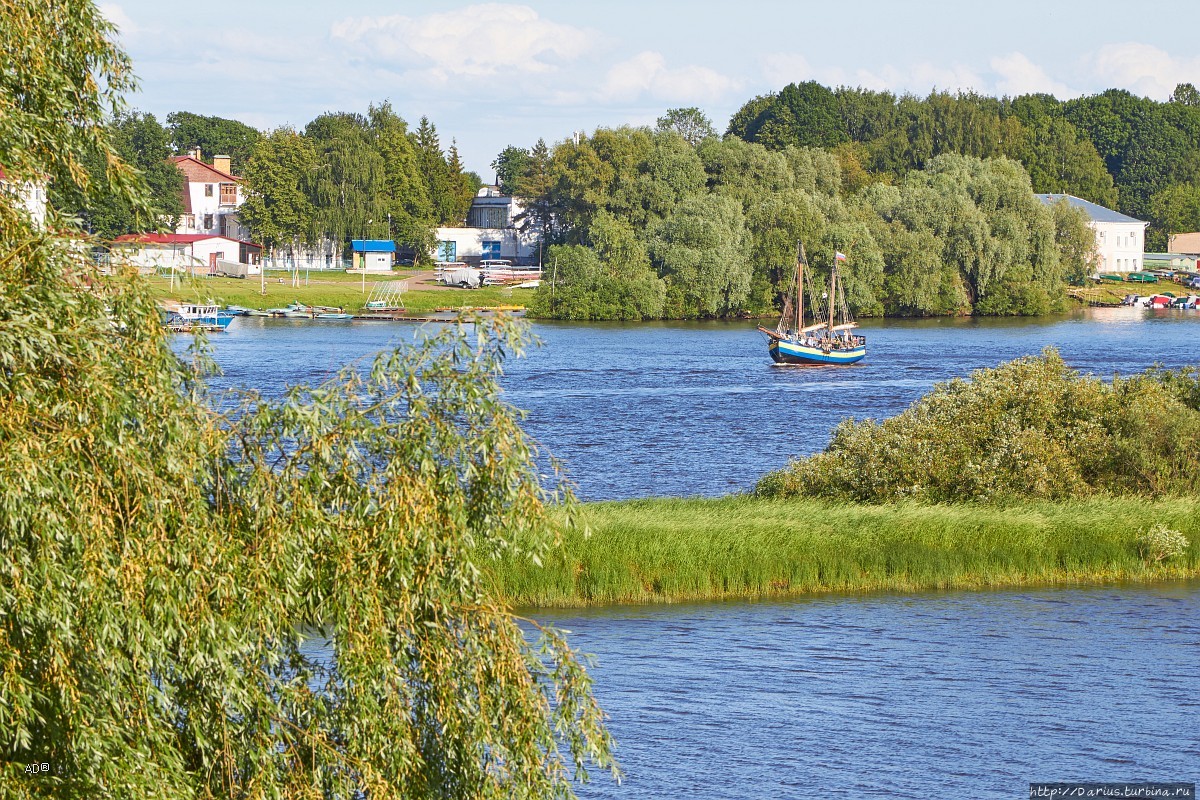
column 29, row 195
column 1120, row 239
column 211, row 197
column 490, row 233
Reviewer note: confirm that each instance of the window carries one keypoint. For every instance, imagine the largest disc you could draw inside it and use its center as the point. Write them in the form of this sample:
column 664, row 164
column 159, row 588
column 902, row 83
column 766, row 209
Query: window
column 189, row 221
column 491, row 249
column 208, row 190
column 447, row 252
column 228, row 194
column 208, row 222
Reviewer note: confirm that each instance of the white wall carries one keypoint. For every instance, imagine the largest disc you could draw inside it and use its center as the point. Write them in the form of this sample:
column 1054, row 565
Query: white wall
column 203, row 205
column 32, row 197
column 469, row 242
column 1120, row 245
column 193, row 256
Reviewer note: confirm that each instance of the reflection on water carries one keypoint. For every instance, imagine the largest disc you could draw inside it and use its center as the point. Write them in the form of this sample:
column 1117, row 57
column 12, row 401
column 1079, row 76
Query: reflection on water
column 699, row 408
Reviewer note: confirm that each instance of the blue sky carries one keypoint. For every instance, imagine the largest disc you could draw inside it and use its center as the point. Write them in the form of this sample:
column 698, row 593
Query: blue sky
column 494, row 74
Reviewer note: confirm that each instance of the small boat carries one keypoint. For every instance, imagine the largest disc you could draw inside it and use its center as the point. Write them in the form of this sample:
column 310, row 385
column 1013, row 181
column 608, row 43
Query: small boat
column 297, row 311
column 529, row 284
column 257, row 312
column 237, row 311
column 826, row 340
column 188, row 317
column 333, row 315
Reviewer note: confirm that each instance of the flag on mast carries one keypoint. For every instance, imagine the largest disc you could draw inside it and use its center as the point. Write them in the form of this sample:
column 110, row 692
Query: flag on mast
column 839, row 256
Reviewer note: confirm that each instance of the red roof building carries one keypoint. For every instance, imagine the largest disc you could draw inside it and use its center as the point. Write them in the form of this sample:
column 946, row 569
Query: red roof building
column 212, row 195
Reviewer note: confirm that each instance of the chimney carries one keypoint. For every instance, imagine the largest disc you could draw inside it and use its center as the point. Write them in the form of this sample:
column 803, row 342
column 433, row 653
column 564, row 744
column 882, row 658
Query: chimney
column 195, row 153
column 221, row 164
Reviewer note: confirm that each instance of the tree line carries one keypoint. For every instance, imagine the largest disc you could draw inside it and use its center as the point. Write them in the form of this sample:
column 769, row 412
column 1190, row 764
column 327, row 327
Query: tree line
column 1133, row 154
column 345, row 176
column 677, row 222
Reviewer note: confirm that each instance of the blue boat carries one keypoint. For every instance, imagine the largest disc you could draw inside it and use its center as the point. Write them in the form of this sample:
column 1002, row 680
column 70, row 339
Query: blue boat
column 828, row 340
column 184, row 317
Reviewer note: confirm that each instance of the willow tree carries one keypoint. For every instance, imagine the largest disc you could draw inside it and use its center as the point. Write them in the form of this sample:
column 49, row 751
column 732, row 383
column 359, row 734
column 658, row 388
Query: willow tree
column 165, row 569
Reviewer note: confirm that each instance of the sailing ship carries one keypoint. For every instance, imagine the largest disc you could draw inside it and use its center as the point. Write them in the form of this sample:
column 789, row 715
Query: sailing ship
column 829, row 338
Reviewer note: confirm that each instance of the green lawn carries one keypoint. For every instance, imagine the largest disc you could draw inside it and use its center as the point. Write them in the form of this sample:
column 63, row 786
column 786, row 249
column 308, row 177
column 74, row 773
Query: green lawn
column 671, row 550
column 328, row 289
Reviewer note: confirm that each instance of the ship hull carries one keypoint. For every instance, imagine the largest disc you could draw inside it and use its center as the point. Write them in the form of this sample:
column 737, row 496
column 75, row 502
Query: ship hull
column 785, row 352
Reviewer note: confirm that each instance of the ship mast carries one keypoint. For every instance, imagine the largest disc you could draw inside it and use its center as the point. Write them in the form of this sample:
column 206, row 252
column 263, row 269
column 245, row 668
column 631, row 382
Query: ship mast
column 832, row 296
column 799, row 288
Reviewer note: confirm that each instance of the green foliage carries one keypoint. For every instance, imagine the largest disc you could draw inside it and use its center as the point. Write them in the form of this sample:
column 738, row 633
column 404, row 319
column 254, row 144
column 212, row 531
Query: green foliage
column 347, row 190
column 701, row 252
column 613, row 281
column 446, row 186
column 61, row 78
column 142, row 144
column 690, row 123
column 403, row 192
column 166, row 568
column 1177, row 208
column 277, row 208
column 805, row 114
column 213, row 135
column 1113, row 148
column 1061, row 161
column 1032, row 428
column 672, row 550
column 1076, row 243
column 511, row 165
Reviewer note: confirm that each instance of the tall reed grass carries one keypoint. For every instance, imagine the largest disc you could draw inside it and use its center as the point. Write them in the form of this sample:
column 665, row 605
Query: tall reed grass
column 668, row 550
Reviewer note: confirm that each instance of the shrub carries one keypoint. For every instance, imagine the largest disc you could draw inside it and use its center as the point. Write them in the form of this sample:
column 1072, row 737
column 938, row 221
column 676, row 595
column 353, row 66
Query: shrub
column 1161, row 543
column 1031, row 428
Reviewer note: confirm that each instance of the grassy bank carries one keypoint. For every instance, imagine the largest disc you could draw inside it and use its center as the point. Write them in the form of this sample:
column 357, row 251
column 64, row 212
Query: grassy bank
column 673, row 550
column 328, row 289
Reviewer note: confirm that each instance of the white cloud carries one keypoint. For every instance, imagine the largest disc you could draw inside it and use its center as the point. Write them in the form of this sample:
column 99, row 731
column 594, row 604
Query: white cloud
column 117, row 16
column 647, row 73
column 1017, row 75
column 1143, row 69
column 486, row 40
column 781, row 69
column 784, row 68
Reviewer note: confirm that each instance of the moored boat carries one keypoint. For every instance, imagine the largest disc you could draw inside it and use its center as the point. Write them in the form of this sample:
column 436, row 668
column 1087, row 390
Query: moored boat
column 828, row 340
column 187, row 317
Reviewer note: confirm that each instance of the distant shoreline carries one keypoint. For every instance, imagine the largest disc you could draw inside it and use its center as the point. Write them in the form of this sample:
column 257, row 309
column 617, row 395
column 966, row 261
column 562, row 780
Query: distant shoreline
column 343, row 290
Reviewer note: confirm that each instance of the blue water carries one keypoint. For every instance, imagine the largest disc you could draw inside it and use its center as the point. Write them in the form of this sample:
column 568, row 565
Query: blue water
column 951, row 695
column 699, row 408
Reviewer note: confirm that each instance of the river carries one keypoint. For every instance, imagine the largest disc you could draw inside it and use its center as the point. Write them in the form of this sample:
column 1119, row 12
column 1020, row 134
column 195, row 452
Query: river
column 956, row 695
column 698, row 408
column 964, row 695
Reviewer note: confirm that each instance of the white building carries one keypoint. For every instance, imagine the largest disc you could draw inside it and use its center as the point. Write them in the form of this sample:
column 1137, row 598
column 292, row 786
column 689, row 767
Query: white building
column 30, row 195
column 211, row 197
column 1120, row 239
column 196, row 253
column 490, row 233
